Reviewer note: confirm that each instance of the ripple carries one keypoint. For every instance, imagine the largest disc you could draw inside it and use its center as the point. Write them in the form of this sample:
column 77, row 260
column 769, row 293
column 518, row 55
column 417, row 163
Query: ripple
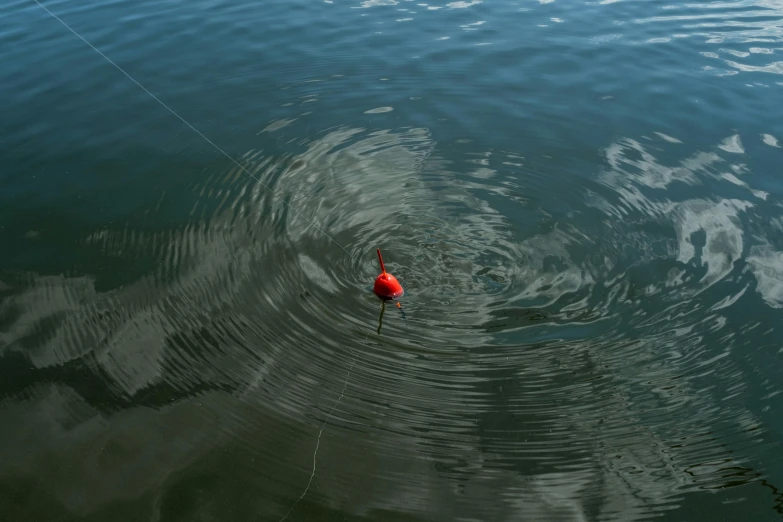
column 379, row 110
column 588, row 331
column 252, row 304
column 462, row 4
column 770, row 140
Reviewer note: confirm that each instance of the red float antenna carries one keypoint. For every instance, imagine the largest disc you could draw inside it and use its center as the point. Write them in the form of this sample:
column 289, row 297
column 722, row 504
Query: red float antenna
column 380, row 260
column 386, row 285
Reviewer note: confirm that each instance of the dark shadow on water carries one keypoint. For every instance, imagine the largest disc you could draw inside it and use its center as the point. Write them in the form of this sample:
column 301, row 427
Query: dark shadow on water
column 380, row 317
column 383, row 311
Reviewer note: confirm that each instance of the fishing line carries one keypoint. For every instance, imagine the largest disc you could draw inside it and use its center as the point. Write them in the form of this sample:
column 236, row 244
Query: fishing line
column 183, row 120
column 235, row 162
column 320, row 432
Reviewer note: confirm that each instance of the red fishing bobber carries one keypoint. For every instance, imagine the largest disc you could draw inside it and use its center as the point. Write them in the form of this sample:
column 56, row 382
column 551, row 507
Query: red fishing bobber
column 386, row 285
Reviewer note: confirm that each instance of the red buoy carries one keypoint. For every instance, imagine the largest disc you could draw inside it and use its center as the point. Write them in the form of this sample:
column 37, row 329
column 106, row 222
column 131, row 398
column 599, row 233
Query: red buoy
column 386, row 285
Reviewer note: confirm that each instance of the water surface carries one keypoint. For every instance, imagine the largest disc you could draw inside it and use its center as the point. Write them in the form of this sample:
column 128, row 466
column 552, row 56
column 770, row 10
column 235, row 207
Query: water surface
column 583, row 201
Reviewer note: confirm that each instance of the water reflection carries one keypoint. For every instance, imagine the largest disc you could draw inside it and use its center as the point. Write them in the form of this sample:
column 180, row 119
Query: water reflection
column 593, row 289
column 583, row 365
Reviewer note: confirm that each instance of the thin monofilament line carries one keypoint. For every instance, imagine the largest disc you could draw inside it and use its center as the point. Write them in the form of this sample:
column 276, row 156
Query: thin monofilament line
column 318, row 440
column 183, row 120
column 235, row 162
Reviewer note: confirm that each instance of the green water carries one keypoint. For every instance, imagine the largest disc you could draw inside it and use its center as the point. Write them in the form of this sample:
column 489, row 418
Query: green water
column 583, row 202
